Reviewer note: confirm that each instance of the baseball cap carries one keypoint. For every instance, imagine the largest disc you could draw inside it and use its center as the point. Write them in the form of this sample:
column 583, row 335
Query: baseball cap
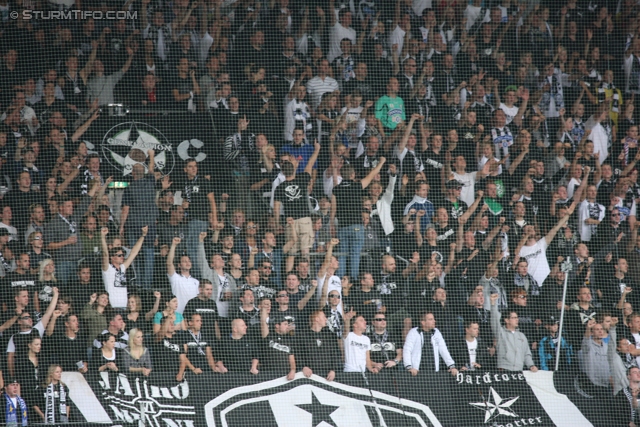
column 451, row 184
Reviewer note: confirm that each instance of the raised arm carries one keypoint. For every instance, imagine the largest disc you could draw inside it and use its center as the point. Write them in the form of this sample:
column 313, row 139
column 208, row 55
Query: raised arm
column 136, row 248
column 105, row 249
column 312, row 161
column 375, row 171
column 552, row 233
column 171, row 269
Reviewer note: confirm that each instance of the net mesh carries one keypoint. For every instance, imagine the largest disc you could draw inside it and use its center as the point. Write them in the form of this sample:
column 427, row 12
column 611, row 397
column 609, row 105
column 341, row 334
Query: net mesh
column 291, row 213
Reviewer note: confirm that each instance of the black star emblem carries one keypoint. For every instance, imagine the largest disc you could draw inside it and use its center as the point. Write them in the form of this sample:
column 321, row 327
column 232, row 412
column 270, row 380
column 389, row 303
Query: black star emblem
column 319, row 411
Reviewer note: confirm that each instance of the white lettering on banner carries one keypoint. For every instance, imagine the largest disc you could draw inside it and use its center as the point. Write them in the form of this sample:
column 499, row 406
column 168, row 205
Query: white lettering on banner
column 126, row 144
column 488, row 378
column 137, row 404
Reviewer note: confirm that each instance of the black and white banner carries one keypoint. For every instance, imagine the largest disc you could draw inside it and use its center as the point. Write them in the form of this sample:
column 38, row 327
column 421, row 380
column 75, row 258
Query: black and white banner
column 391, row 399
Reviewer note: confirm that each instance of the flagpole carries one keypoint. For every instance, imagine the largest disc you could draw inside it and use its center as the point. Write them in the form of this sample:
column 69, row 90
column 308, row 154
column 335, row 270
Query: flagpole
column 566, row 267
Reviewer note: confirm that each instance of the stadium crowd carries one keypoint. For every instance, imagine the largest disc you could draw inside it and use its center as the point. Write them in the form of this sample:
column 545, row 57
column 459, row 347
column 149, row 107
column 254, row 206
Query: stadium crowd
column 395, row 185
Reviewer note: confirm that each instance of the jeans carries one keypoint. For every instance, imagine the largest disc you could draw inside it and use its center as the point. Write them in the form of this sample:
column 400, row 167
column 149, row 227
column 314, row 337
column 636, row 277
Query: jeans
column 143, row 264
column 196, row 227
column 351, row 243
column 66, row 271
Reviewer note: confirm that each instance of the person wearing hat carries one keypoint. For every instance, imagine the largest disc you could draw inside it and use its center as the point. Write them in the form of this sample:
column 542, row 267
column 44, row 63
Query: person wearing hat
column 548, row 345
column 13, row 409
column 277, row 352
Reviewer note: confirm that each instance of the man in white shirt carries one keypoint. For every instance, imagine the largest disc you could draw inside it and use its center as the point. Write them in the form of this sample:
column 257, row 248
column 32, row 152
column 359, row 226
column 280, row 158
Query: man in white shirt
column 184, row 286
column 321, row 84
column 397, row 36
column 114, row 268
column 535, row 250
column 340, row 30
column 599, row 135
column 357, row 346
column 591, row 214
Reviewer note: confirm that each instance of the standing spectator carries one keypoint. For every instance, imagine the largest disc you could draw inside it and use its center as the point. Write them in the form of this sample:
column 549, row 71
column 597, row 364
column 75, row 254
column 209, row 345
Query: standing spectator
column 136, row 358
column 426, row 342
column 198, row 353
column 340, row 29
column 224, row 285
column 278, row 351
column 53, row 400
column 386, row 347
column 390, row 107
column 139, row 210
column 114, row 268
column 61, row 234
column 15, row 410
column 349, row 215
column 357, row 346
column 512, row 348
column 206, row 307
column 198, row 200
column 183, row 285
column 321, row 84
column 239, row 353
column 293, row 196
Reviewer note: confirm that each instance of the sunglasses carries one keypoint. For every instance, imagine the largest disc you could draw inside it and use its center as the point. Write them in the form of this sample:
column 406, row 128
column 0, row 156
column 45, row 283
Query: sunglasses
column 334, row 296
column 25, row 318
column 119, row 255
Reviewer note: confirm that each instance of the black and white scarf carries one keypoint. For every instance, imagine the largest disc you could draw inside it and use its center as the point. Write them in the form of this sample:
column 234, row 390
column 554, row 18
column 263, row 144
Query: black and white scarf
column 196, row 338
column 528, row 283
column 602, row 95
column 56, row 395
column 629, row 396
column 72, row 224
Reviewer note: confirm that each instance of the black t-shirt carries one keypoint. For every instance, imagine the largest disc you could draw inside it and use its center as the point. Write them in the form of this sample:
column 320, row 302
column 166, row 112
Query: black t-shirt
column 320, row 352
column 196, row 347
column 455, row 210
column 237, row 355
column 276, row 350
column 348, row 196
column 196, row 192
column 293, row 196
column 207, row 309
column 364, row 303
column 166, row 354
column 13, row 281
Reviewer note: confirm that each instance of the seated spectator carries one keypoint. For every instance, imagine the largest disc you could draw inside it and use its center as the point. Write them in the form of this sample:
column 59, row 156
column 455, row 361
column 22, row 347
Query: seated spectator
column 170, row 306
column 136, row 358
column 426, row 341
column 52, row 405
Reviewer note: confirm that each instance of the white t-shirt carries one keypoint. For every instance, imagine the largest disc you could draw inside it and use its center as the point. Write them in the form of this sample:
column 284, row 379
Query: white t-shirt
column 335, row 284
column 355, row 352
column 472, row 347
column 115, row 283
column 589, row 211
column 468, row 181
column 223, row 306
column 338, row 32
column 472, row 13
column 397, row 37
column 510, row 112
column 183, row 288
column 536, row 256
column 572, row 186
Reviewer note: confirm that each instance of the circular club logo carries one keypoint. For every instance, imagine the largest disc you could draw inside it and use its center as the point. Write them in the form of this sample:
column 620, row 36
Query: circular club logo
column 127, row 144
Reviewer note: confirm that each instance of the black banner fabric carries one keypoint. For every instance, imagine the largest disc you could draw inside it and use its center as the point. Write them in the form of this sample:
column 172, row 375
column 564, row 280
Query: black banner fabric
column 389, row 399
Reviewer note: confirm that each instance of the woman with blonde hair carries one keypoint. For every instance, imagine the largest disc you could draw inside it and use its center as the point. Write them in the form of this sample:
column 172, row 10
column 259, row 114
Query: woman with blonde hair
column 133, row 319
column 46, row 282
column 136, row 357
column 53, row 408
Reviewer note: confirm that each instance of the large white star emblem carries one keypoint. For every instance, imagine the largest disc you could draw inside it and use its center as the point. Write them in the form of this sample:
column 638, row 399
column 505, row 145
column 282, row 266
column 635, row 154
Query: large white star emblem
column 499, row 406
